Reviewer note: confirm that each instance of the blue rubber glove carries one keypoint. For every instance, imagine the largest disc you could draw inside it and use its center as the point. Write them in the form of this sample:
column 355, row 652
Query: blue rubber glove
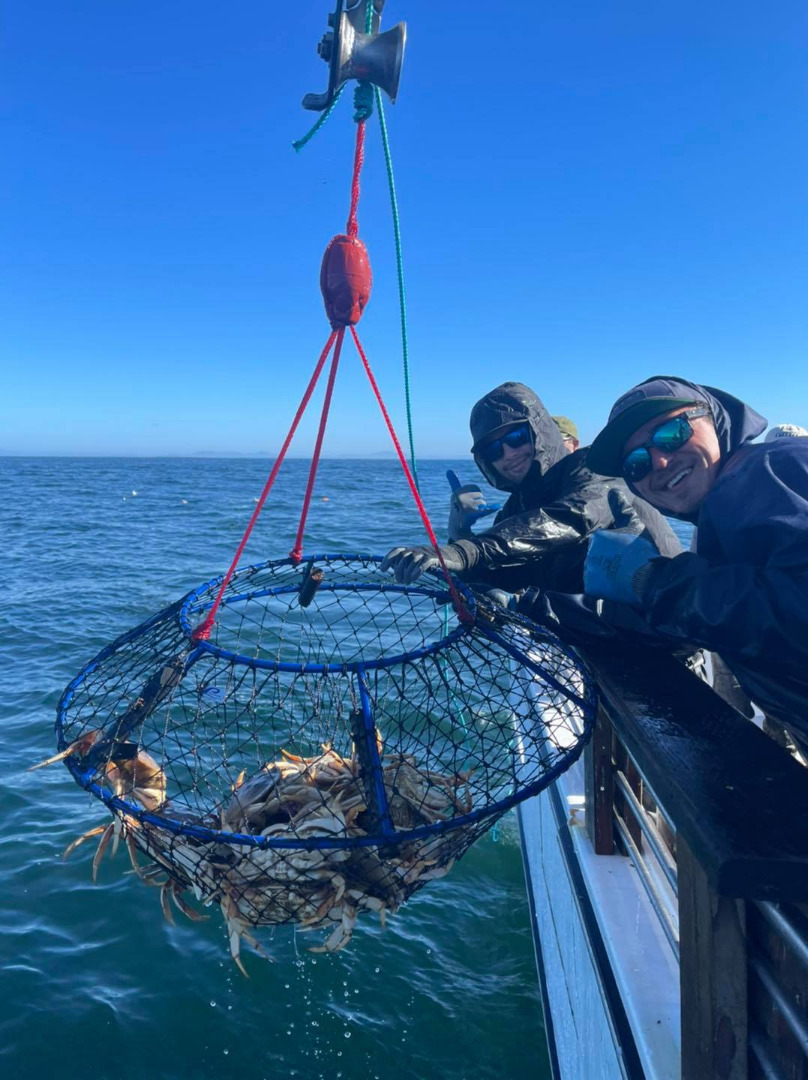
column 617, row 562
column 466, row 506
column 613, row 560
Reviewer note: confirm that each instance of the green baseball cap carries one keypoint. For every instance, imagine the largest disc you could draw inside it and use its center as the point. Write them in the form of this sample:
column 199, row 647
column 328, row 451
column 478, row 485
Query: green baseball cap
column 566, row 426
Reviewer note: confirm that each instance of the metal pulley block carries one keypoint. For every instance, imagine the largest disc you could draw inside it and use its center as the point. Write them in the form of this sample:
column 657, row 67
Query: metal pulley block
column 352, row 54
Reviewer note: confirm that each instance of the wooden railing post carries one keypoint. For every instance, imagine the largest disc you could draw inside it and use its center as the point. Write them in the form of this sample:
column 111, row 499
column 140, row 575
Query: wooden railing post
column 712, row 942
column 599, row 785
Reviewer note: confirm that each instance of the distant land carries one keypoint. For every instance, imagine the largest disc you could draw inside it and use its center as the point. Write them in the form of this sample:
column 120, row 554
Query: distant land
column 267, row 454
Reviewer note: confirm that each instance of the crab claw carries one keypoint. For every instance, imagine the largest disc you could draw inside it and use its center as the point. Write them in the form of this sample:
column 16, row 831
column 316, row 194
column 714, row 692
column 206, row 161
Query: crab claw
column 236, row 930
column 180, row 904
column 80, row 747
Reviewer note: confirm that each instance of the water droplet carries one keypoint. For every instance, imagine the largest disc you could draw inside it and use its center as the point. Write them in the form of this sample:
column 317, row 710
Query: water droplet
column 213, row 1004
column 225, row 1051
column 377, row 970
column 347, row 1034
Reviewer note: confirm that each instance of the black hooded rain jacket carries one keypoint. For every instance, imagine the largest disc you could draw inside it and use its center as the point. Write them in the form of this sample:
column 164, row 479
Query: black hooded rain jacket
column 557, row 505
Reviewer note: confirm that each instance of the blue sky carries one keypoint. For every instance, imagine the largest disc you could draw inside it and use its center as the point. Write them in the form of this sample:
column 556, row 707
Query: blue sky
column 589, row 194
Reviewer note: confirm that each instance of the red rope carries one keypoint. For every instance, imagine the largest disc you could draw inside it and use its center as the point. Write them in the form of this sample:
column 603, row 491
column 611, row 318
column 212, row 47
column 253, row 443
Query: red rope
column 202, row 632
column 359, row 156
column 296, row 554
column 462, row 611
column 352, row 229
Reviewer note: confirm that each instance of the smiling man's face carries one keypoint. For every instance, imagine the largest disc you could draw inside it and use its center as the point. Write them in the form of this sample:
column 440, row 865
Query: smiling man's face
column 679, row 479
column 514, row 464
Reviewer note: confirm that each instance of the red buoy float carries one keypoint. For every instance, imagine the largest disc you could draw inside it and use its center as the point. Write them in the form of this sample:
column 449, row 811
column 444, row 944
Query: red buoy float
column 345, row 280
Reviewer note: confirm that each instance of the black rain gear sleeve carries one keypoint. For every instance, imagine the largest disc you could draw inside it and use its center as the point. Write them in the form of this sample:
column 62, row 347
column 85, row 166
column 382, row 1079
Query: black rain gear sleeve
column 546, row 546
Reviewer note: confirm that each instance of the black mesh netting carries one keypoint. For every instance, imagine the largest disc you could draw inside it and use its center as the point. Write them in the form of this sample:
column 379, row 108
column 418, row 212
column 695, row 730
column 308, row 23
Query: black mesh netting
column 310, row 762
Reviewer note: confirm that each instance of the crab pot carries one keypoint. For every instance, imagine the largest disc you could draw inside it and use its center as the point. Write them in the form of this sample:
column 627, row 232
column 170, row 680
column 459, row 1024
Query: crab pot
column 308, row 763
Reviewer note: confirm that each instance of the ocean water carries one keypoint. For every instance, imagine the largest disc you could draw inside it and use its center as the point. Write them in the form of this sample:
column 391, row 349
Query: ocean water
column 93, row 980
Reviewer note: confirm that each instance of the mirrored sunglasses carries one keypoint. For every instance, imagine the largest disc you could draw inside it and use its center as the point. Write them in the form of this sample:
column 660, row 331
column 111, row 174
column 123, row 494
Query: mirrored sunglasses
column 514, row 438
column 669, row 436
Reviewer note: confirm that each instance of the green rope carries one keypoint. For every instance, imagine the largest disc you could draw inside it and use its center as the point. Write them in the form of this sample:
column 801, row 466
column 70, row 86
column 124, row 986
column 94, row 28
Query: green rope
column 363, row 108
column 363, row 102
column 300, row 143
column 363, row 94
column 402, row 297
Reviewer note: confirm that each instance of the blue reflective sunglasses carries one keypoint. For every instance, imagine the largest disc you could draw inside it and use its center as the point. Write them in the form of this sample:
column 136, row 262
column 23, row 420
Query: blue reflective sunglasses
column 494, row 450
column 670, row 436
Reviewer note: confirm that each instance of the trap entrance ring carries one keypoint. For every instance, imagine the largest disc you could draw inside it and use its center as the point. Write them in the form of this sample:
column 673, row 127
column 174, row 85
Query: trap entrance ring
column 335, row 743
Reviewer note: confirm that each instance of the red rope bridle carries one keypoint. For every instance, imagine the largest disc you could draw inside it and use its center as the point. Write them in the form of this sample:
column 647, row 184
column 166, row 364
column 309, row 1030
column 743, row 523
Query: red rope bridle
column 202, row 632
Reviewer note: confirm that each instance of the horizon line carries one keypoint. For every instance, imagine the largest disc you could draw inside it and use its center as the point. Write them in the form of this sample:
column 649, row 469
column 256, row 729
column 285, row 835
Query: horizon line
column 233, row 456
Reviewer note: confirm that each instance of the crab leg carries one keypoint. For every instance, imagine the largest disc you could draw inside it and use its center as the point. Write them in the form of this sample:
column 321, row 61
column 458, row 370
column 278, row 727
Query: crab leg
column 118, row 828
column 80, row 839
column 131, row 848
column 80, row 747
column 103, row 843
column 164, row 904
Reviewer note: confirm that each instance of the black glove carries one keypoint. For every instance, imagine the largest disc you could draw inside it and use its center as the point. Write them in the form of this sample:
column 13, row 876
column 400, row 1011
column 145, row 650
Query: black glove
column 410, row 563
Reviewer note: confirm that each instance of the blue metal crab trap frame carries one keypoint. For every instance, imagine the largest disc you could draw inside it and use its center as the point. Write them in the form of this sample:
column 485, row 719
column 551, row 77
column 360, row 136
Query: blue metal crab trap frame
column 327, row 750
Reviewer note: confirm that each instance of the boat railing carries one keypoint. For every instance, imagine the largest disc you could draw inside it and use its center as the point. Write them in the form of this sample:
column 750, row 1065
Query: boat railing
column 714, row 816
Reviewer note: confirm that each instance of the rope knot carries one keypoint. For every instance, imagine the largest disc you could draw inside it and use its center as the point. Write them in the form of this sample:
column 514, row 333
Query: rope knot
column 363, row 102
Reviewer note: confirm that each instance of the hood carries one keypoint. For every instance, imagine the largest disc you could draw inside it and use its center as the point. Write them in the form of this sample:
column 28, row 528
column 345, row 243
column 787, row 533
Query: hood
column 735, row 422
column 509, row 404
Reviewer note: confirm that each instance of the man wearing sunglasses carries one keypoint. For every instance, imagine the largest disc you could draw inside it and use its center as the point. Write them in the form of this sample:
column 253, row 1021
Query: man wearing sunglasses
column 555, row 502
column 687, row 449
